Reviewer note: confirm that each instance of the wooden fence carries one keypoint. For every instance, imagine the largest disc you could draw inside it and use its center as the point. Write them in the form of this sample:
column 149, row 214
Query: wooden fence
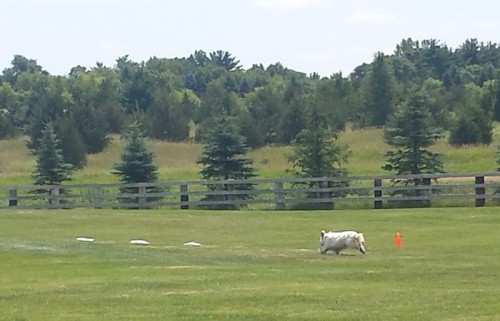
column 464, row 189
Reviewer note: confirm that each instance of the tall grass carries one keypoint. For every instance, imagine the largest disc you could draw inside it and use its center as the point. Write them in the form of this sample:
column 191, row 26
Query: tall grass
column 178, row 161
column 251, row 266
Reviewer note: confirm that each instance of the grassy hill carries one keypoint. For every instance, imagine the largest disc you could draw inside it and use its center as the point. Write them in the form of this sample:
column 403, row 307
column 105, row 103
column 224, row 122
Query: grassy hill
column 177, row 161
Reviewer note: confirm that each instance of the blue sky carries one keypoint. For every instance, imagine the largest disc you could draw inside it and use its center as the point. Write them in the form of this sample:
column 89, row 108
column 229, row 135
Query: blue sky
column 324, row 36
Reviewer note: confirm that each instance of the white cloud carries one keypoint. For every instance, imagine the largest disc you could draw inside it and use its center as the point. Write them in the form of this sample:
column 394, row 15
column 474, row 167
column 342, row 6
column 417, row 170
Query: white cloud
column 372, row 16
column 287, row 4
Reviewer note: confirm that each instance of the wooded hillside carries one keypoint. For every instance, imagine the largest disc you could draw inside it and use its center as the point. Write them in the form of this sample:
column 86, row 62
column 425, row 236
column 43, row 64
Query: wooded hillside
column 177, row 99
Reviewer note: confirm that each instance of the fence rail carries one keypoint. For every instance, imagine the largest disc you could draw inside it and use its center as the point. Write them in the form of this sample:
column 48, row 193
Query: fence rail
column 478, row 189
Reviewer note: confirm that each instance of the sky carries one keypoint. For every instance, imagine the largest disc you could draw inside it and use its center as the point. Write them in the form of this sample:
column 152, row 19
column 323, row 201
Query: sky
column 322, row 36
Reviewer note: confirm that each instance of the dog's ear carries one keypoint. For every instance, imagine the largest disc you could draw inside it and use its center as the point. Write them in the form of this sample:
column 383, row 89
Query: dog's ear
column 322, row 233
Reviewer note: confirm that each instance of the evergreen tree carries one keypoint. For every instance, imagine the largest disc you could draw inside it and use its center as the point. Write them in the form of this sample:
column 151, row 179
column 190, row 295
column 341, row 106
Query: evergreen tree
column 316, row 153
column 50, row 167
column 379, row 92
column 136, row 164
column 223, row 158
column 411, row 132
column 72, row 145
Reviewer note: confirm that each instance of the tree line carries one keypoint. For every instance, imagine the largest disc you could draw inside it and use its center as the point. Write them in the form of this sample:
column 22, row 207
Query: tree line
column 181, row 99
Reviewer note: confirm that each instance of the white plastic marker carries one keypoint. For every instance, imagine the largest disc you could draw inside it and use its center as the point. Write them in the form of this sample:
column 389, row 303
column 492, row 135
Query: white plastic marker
column 192, row 243
column 85, row 239
column 139, row 242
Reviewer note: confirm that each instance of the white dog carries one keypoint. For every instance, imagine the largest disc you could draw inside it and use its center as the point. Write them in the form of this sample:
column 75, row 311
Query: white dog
column 338, row 241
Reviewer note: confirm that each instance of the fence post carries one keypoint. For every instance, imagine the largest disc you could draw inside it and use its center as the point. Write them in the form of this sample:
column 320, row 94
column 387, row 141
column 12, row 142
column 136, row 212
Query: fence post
column 480, row 191
column 377, row 193
column 184, row 197
column 279, row 197
column 12, row 197
column 427, row 192
column 54, row 196
column 230, row 188
column 142, row 196
column 98, row 197
column 329, row 205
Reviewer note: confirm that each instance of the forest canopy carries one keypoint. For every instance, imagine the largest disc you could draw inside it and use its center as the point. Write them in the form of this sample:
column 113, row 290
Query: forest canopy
column 179, row 99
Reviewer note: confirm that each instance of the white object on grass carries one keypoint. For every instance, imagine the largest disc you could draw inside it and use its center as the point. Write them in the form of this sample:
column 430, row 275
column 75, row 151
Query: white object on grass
column 139, row 242
column 85, row 239
column 192, row 243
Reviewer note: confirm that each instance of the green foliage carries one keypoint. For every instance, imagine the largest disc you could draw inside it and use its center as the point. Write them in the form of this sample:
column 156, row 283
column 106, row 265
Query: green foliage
column 51, row 168
column 73, row 147
column 179, row 99
column 7, row 129
column 498, row 158
column 223, row 153
column 411, row 132
column 224, row 59
column 136, row 164
column 223, row 158
column 317, row 153
column 265, row 108
column 474, row 121
column 379, row 92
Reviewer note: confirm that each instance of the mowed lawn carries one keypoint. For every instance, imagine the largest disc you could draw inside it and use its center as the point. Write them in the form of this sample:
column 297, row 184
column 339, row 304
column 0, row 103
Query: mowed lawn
column 252, row 265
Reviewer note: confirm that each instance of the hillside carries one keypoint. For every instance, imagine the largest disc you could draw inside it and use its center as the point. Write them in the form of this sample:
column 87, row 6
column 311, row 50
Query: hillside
column 177, row 161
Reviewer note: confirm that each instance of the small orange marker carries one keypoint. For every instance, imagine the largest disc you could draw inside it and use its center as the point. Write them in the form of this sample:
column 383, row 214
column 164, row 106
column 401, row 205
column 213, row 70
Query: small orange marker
column 398, row 241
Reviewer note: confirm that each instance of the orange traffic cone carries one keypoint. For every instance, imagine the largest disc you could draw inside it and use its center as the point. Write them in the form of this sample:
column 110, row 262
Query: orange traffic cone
column 398, row 241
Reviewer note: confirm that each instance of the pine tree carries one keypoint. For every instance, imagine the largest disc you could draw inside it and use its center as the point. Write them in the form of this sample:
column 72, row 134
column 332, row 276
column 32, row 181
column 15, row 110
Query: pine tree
column 72, row 145
column 223, row 158
column 379, row 92
column 136, row 164
column 316, row 153
column 50, row 167
column 411, row 132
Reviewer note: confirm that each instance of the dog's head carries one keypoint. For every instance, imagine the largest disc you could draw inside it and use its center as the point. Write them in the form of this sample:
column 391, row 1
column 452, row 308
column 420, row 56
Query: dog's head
column 360, row 239
column 322, row 237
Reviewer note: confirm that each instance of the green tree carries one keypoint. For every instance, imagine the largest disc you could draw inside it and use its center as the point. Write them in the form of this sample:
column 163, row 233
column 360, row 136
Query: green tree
column 437, row 101
column 411, row 132
column 12, row 111
column 72, row 145
column 223, row 159
column 473, row 124
column 379, row 92
column 50, row 168
column 316, row 153
column 136, row 164
column 7, row 129
column 266, row 108
column 20, row 64
column 224, row 59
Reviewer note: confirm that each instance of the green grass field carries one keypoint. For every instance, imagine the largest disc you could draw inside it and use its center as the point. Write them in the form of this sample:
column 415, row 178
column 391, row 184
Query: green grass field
column 178, row 161
column 253, row 265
